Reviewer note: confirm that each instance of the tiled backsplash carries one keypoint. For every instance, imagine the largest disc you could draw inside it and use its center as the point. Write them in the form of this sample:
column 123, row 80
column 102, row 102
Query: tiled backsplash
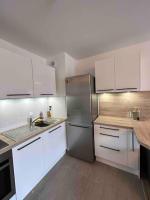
column 119, row 104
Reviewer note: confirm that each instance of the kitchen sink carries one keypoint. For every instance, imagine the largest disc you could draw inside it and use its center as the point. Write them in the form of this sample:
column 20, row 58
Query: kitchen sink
column 42, row 124
column 3, row 144
column 46, row 123
column 25, row 131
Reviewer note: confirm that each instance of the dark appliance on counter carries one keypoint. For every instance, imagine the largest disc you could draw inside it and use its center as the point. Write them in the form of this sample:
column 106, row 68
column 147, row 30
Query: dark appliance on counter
column 7, row 184
column 81, row 112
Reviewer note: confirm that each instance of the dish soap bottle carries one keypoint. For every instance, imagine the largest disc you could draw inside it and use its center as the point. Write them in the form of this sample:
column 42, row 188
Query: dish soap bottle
column 49, row 115
column 30, row 120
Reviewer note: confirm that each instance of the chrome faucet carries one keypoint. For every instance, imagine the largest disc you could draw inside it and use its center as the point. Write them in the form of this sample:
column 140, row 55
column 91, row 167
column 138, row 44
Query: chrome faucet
column 31, row 121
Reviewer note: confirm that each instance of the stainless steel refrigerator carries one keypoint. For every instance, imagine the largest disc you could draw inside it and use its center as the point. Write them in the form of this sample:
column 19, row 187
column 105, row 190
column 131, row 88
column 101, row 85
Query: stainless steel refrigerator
column 81, row 112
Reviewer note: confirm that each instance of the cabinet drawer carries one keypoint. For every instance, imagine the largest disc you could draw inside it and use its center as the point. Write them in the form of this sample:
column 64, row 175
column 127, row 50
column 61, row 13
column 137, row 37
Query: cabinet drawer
column 117, row 156
column 108, row 141
column 106, row 152
column 110, row 130
column 107, row 130
column 111, row 143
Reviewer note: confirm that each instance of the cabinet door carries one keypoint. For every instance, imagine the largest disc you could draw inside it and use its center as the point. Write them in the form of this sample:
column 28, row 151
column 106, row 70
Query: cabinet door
column 104, row 73
column 145, row 67
column 127, row 69
column 133, row 152
column 28, row 166
column 44, row 80
column 54, row 146
column 15, row 75
column 111, row 144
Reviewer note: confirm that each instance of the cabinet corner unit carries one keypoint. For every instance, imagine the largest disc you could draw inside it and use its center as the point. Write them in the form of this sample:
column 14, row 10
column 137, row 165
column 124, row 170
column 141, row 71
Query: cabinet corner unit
column 117, row 147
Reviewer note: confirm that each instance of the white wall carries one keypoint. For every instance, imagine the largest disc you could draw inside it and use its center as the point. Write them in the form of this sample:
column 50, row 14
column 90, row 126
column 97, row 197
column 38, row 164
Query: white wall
column 71, row 64
column 14, row 113
column 58, row 106
column 60, row 72
column 65, row 66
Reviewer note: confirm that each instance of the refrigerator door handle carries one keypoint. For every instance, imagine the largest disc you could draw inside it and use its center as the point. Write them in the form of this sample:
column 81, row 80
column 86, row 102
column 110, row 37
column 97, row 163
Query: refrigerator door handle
column 76, row 125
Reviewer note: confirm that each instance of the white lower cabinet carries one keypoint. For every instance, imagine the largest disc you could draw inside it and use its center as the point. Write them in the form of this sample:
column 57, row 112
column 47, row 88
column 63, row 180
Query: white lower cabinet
column 28, row 165
column 35, row 157
column 54, row 146
column 117, row 147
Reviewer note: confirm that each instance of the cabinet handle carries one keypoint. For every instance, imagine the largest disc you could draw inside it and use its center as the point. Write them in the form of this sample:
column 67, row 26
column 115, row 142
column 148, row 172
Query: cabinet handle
column 55, row 129
column 126, row 89
column 80, row 126
column 132, row 141
column 105, row 90
column 109, row 148
column 46, row 94
column 113, row 129
column 14, row 95
column 115, row 136
column 29, row 144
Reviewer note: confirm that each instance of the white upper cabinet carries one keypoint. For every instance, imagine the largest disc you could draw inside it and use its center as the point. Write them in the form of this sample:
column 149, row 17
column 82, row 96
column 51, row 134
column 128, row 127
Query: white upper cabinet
column 127, row 69
column 145, row 67
column 44, row 80
column 105, row 75
column 15, row 75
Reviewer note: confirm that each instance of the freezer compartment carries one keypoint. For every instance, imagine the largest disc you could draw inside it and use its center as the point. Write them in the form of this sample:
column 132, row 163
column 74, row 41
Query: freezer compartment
column 80, row 142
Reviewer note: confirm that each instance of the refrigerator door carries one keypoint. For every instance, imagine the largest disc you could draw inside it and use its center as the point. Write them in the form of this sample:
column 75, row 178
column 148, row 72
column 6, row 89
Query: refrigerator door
column 80, row 142
column 79, row 100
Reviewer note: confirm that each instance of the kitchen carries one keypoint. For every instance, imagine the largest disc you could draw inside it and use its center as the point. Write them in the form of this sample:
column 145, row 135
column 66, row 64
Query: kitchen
column 74, row 105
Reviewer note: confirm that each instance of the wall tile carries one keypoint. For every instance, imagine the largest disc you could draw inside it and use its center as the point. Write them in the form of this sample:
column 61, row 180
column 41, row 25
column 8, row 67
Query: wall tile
column 119, row 104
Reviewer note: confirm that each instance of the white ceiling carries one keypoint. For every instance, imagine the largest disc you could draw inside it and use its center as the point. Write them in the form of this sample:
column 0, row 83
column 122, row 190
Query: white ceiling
column 79, row 27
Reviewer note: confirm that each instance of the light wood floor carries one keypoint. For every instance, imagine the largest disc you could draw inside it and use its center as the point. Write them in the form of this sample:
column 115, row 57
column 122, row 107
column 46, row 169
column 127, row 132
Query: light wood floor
column 73, row 179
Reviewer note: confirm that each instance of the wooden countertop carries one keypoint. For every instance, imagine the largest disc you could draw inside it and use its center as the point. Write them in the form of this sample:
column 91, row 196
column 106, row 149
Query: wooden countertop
column 141, row 128
column 30, row 134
